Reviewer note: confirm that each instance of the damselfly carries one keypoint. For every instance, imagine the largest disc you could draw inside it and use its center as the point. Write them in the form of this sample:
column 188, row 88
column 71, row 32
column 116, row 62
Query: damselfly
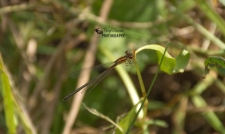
column 127, row 59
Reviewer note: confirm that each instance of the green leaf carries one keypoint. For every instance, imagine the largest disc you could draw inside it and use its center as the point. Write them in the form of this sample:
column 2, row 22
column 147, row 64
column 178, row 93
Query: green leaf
column 125, row 122
column 169, row 65
column 7, row 100
column 217, row 63
column 182, row 61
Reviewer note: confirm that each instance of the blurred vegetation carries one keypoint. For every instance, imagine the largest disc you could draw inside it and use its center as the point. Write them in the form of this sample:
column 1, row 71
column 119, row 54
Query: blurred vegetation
column 42, row 42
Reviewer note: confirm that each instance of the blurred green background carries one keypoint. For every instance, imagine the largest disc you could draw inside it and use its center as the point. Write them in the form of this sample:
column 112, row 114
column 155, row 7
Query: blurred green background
column 42, row 42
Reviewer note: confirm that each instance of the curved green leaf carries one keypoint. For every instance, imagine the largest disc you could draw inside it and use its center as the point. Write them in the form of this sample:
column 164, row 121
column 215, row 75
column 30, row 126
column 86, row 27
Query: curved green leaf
column 169, row 65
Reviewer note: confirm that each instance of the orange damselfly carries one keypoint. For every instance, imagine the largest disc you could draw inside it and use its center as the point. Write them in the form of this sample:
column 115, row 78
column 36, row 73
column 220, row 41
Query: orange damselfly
column 127, row 59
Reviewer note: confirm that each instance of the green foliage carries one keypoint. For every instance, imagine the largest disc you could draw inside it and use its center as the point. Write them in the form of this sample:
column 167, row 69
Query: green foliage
column 42, row 42
column 124, row 123
column 182, row 61
column 217, row 63
column 170, row 65
column 8, row 100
